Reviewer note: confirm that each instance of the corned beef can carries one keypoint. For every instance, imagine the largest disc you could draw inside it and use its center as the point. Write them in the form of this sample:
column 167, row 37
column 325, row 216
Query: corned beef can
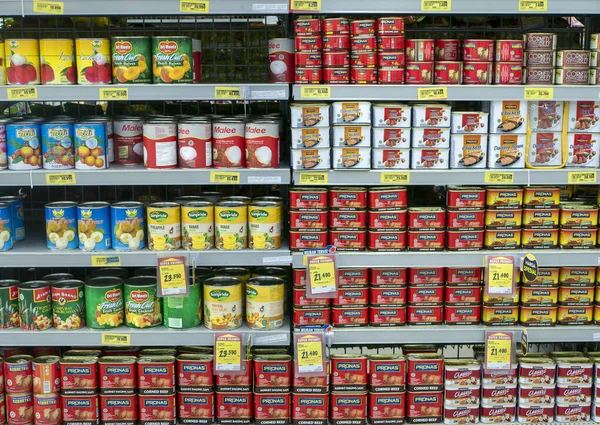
column 348, row 405
column 304, row 27
column 46, row 375
column 426, row 275
column 389, row 25
column 363, row 60
column 310, row 409
column 426, row 295
column 428, row 218
column 79, row 376
column 309, row 44
column 362, row 27
column 391, row 59
column 300, row 240
column 540, row 41
column 508, row 73
column 160, row 145
column 363, row 76
column 302, row 301
column 477, row 73
column 387, row 408
column 308, row 199
column 348, row 198
column 384, row 220
column 229, row 143
column 47, row 409
column 478, row 50
column 468, row 276
column 509, row 51
column 335, row 26
column 272, row 373
column 498, row 413
column 575, row 412
column 454, row 415
column 465, row 240
column 272, row 409
column 462, row 315
column 234, row 408
column 387, row 276
column 196, row 409
column 448, row 72
column 334, row 43
column 461, row 295
column 387, row 373
column 312, row 316
column 18, row 374
column 348, row 220
column 540, row 58
column 462, row 396
column 390, row 43
column 533, row 414
column 430, row 315
column 195, row 373
column 156, row 375
column 354, row 277
column 537, row 394
column 81, row 409
column 364, row 43
column 309, row 60
column 447, row 50
column 420, row 50
column 386, row 296
column 425, row 372
column 311, row 384
column 386, row 316
column 426, row 240
column 566, row 393
column 19, row 408
column 502, row 377
column 388, row 241
column 388, row 198
column 117, row 408
column 336, row 60
column 391, row 75
column 309, row 220
column 498, row 394
column 194, row 144
column 309, row 75
column 228, row 382
column 351, row 296
column 299, row 277
column 572, row 76
column 424, row 407
column 349, row 372
column 348, row 240
column 349, row 317
column 418, row 73
column 465, row 220
column 465, row 198
column 336, row 75
column 539, row 75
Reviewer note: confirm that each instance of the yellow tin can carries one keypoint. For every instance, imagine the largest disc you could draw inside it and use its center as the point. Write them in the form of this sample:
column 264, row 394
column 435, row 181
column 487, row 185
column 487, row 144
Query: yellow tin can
column 547, row 276
column 93, row 61
column 231, row 225
column 501, row 300
column 222, row 303
column 538, row 316
column 502, row 239
column 57, row 58
column 577, row 275
column 541, row 197
column 264, row 225
column 22, row 61
column 540, row 219
column 578, row 216
column 579, row 238
column 576, row 295
column 581, row 315
column 503, row 219
column 500, row 316
column 505, row 198
column 2, row 65
column 264, row 302
column 597, row 322
column 539, row 295
column 164, row 226
column 198, row 225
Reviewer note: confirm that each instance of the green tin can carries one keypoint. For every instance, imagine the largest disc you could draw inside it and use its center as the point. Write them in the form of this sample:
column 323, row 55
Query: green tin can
column 35, row 305
column 172, row 60
column 104, row 302
column 131, row 60
column 9, row 304
column 186, row 312
column 68, row 305
column 142, row 305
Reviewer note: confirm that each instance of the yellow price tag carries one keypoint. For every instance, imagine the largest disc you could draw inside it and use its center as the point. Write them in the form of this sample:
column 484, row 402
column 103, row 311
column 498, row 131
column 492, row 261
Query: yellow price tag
column 234, row 93
column 498, row 350
column 582, row 177
column 60, row 178
column 223, row 177
column 436, row 5
column 106, row 261
column 310, row 354
column 533, row 5
column 499, row 177
column 314, row 178
column 538, row 93
column 116, row 339
column 114, row 94
column 322, row 275
column 306, row 5
column 194, row 6
column 50, row 7
column 228, row 353
column 173, row 276
column 501, row 272
column 315, row 92
column 390, row 177
column 434, row 93
column 21, row 93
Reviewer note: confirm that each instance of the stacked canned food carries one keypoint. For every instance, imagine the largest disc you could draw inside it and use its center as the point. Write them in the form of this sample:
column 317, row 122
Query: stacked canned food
column 595, row 59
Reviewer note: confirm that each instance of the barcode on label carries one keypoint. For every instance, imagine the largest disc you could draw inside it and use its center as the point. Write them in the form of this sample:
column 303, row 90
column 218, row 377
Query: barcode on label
column 47, row 387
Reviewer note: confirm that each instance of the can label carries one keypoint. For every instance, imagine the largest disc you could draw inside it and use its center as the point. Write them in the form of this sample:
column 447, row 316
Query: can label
column 387, row 408
column 78, row 378
column 128, row 227
column 349, row 373
column 262, row 145
column 93, row 61
column 164, row 229
column 160, row 145
column 19, row 374
column 84, row 410
column 198, row 226
column 194, row 375
column 93, row 225
column 19, row 408
column 171, row 60
column 264, row 307
column 272, row 409
column 23, row 62
column 104, row 307
column 61, row 227
column 229, row 144
column 23, row 146
column 195, row 409
column 156, row 377
column 142, row 307
column 57, row 146
column 157, row 410
column 234, row 408
column 35, row 309
column 90, row 146
column 117, row 377
column 68, row 308
column 310, row 409
column 231, row 227
column 129, row 142
column 223, row 307
column 119, row 409
column 130, row 58
column 58, row 65
column 195, row 145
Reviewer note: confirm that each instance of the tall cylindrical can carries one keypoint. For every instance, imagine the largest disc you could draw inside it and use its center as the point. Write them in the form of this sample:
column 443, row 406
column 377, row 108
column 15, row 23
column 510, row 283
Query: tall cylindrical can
column 57, row 61
column 90, row 145
column 281, row 60
column 143, row 307
column 68, row 305
column 93, row 61
column 3, row 147
column 23, row 146
column 160, row 145
column 2, row 65
column 262, row 144
column 198, row 225
column 264, row 225
column 131, row 60
column 6, row 227
column 231, row 225
column 57, row 146
column 35, row 305
column 17, row 213
column 129, row 141
column 104, row 302
column 128, row 224
column 110, row 142
column 229, row 143
column 184, row 312
column 61, row 226
column 164, row 226
column 195, row 144
column 172, row 60
column 22, row 61
column 9, row 297
column 93, row 223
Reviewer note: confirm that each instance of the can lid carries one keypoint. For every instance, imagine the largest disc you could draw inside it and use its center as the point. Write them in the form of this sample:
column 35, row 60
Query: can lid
column 61, row 204
column 141, row 281
column 202, row 357
column 79, row 360
column 266, row 281
column 197, row 204
column 19, row 358
column 222, row 281
column 273, row 357
column 119, row 272
column 118, row 359
column 7, row 283
column 233, row 271
column 67, row 283
column 104, row 282
column 94, row 204
column 269, row 271
column 157, row 359
column 245, row 199
column 164, row 205
column 127, row 204
column 34, row 284
column 57, row 277
column 46, row 359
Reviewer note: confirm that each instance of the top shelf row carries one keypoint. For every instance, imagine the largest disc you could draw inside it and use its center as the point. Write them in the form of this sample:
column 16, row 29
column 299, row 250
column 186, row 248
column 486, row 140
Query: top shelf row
column 274, row 7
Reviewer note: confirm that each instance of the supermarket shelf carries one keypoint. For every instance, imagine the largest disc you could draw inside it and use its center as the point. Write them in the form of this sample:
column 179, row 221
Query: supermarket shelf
column 139, row 176
column 140, row 92
column 485, row 7
column 474, row 334
column 158, row 336
column 28, row 253
column 150, row 7
column 473, row 93
column 545, row 258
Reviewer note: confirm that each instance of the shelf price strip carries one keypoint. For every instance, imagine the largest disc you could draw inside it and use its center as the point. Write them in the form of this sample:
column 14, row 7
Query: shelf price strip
column 21, row 93
column 194, row 6
column 114, row 94
column 394, row 178
column 498, row 350
column 499, row 177
column 306, row 5
column 320, row 92
column 49, row 7
column 234, row 93
column 314, row 178
column 106, row 261
column 435, row 93
column 580, row 177
column 60, row 178
column 436, row 5
column 228, row 352
column 533, row 5
column 221, row 177
column 116, row 339
column 539, row 93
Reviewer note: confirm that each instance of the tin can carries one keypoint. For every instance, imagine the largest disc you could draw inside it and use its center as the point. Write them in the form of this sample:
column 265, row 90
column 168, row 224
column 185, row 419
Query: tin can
column 47, row 409
column 540, row 41
column 543, row 59
column 425, row 372
column 391, row 75
column 349, row 372
column 57, row 146
column 19, row 408
column 447, row 50
column 186, row 314
column 18, row 374
column 347, row 198
column 46, row 375
column 57, row 61
column 390, row 25
column 198, row 224
column 572, row 76
column 9, row 298
column 262, row 144
column 222, row 303
column 195, row 144
column 313, row 60
column 272, row 409
column 152, row 406
column 508, row 73
column 419, row 73
column 195, row 409
column 117, row 375
column 23, row 146
column 264, row 225
column 172, row 59
column 234, row 407
column 35, row 307
column 160, row 145
column 308, row 75
column 17, row 217
column 310, row 408
column 130, row 59
column 363, row 43
column 300, row 240
column 228, row 382
column 363, row 60
column 362, row 27
column 3, row 123
column 104, row 302
column 129, row 141
column 448, row 73
column 164, row 226
column 93, row 61
column 119, row 408
column 22, row 61
column 340, row 410
column 79, row 375
column 128, row 224
column 229, row 143
column 143, row 308
column 539, row 75
column 420, row 50
column 363, row 76
column 272, row 373
column 281, row 60
column 477, row 73
column 156, row 375
column 90, row 145
column 264, row 303
column 478, row 50
column 388, row 43
column 94, row 228
column 195, row 373
column 336, row 75
column 76, row 407
column 231, row 222
column 335, row 26
column 336, row 43
column 309, row 44
column 307, row 26
column 391, row 59
column 509, row 51
column 68, row 306
column 384, row 220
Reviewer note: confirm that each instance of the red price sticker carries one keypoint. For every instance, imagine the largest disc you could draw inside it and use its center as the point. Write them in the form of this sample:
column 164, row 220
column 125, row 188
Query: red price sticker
column 228, row 352
column 498, row 350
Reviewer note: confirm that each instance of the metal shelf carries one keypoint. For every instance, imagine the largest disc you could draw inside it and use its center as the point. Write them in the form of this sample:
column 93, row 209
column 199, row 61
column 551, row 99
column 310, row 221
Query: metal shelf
column 158, row 336
column 149, row 7
column 139, row 176
column 28, row 253
column 474, row 334
column 461, row 92
column 48, row 93
column 545, row 258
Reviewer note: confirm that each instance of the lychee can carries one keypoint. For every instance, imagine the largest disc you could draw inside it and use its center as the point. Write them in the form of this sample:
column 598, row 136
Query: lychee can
column 128, row 225
column 23, row 146
column 94, row 227
column 262, row 144
column 57, row 146
column 160, row 144
column 281, row 60
column 22, row 58
column 195, row 144
column 129, row 140
column 61, row 230
column 447, row 50
column 171, row 60
column 93, row 61
column 229, row 143
column 90, row 145
column 130, row 59
column 57, row 57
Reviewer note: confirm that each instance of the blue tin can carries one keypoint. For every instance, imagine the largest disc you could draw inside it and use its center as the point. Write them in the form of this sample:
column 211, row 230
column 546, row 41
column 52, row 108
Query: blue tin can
column 90, row 145
column 128, row 223
column 6, row 230
column 93, row 225
column 57, row 145
column 23, row 146
column 61, row 226
column 17, row 211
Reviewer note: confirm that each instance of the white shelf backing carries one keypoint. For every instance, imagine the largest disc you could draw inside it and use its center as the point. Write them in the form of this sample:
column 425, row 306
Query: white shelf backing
column 29, row 253
column 545, row 258
column 384, row 92
column 139, row 176
column 158, row 336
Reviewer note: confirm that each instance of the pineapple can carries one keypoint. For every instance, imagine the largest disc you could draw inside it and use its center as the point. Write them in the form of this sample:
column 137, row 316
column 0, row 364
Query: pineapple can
column 198, row 225
column 130, row 59
column 57, row 61
column 264, row 225
column 93, row 61
column 35, row 306
column 68, row 306
column 9, row 300
column 164, row 226
column 22, row 61
column 171, row 60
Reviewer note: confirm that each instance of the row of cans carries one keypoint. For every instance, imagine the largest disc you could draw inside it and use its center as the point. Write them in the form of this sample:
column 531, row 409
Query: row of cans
column 341, row 26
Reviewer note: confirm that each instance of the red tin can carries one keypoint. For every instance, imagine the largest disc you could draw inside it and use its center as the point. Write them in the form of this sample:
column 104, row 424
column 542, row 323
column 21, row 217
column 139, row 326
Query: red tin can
column 388, row 295
column 309, row 60
column 156, row 375
column 539, row 75
column 299, row 277
column 471, row 276
column 387, row 373
column 574, row 374
column 309, row 44
column 426, row 240
column 363, row 76
column 47, row 409
column 390, row 25
column 348, row 198
column 391, row 59
column 82, row 409
column 478, row 50
column 465, row 220
column 349, row 317
column 425, row 275
column 272, row 408
column 391, row 75
column 304, row 27
column 461, row 295
column 310, row 384
column 390, row 43
column 387, row 241
column 194, row 373
column 300, row 240
column 420, row 50
column 152, row 407
column 431, row 315
column 310, row 408
column 544, row 59
column 363, row 60
column 387, row 276
column 78, row 377
column 349, row 372
column 348, row 220
column 466, row 198
column 573, row 412
column 18, row 374
column 117, row 377
column 573, row 393
column 336, row 75
column 309, row 75
column 348, row 240
column 448, row 73
column 461, row 414
column 498, row 394
column 272, row 375
column 116, row 408
column 462, row 396
column 465, row 240
column 534, row 374
column 509, row 51
column 348, row 405
column 383, row 220
column 477, row 73
column 351, row 296
column 312, row 316
column 19, row 408
column 196, row 408
column 424, row 407
column 500, row 413
column 335, row 43
column 363, row 43
column 227, row 382
column 447, row 50
column 363, row 27
column 425, row 372
column 388, row 198
column 426, row 218
column 462, row 315
column 309, row 220
column 540, row 41
column 537, row 394
column 335, row 26
column 502, row 377
column 387, row 408
column 46, row 375
column 508, row 73
column 535, row 414
column 426, row 295
column 304, row 199
column 385, row 316
column 336, row 59
column 419, row 73
column 353, row 277
column 302, row 301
